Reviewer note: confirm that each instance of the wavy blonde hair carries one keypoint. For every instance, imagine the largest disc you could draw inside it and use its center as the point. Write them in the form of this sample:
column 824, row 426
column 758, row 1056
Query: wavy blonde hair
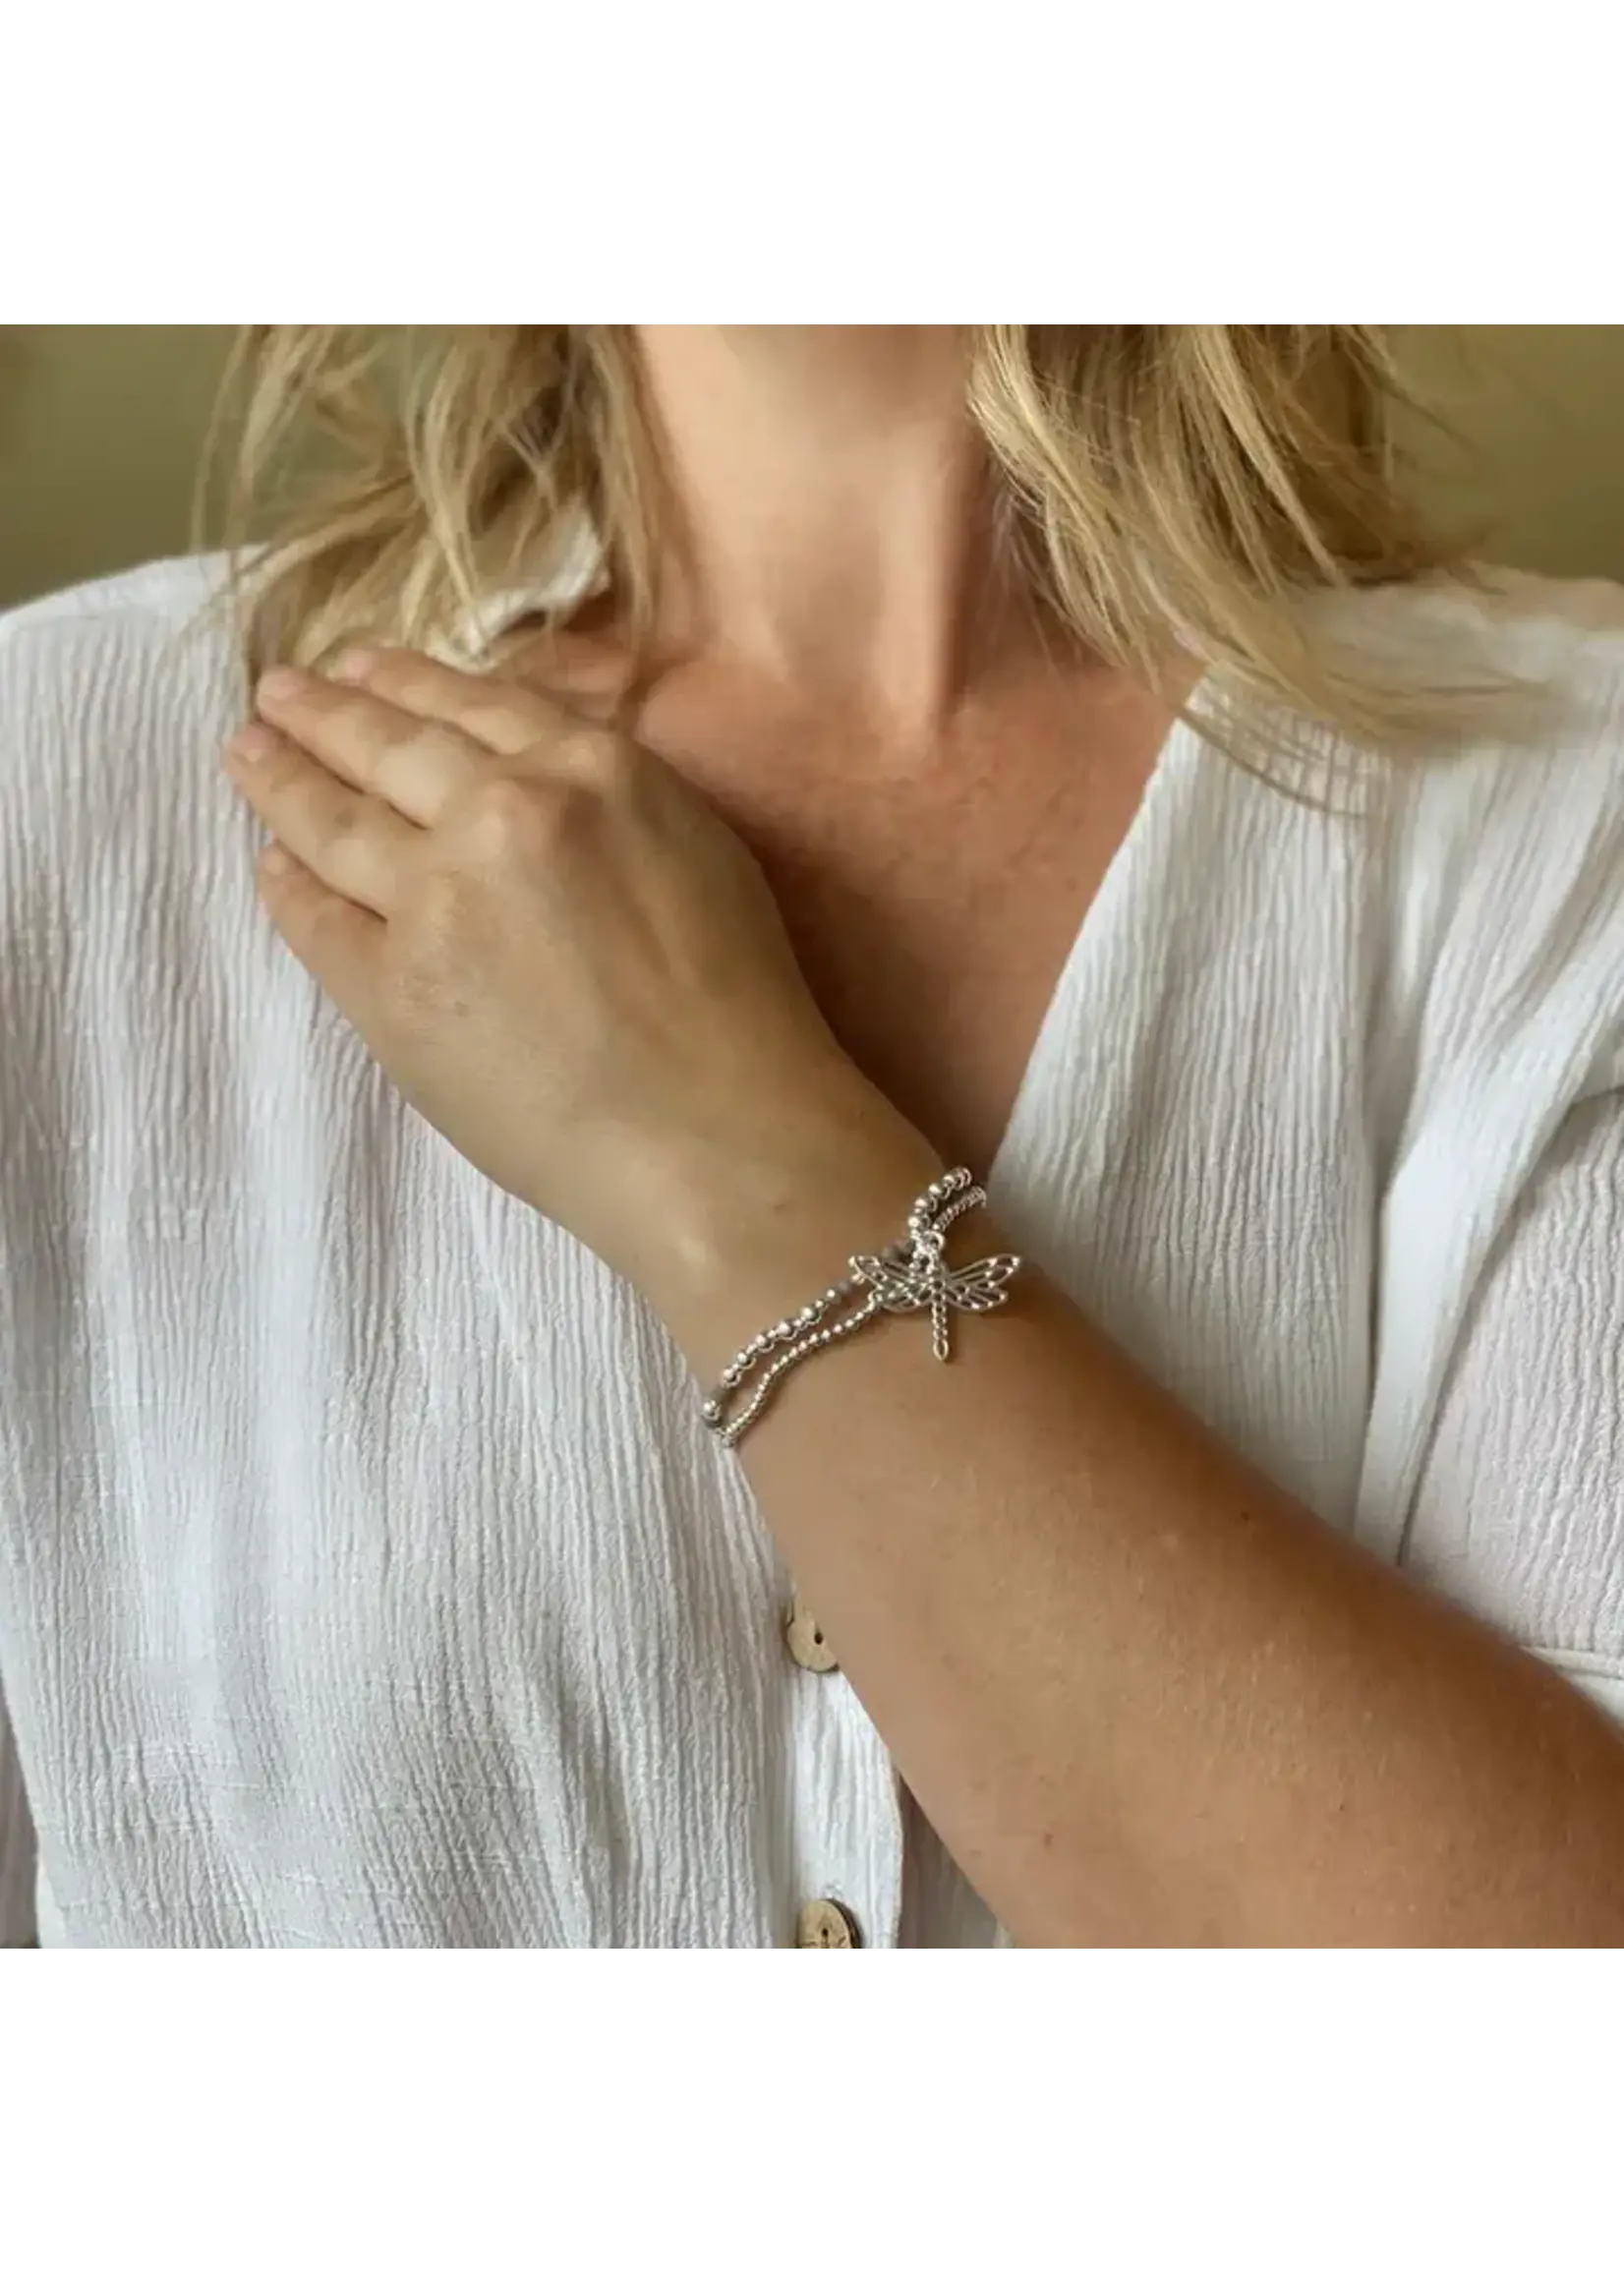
column 1161, row 486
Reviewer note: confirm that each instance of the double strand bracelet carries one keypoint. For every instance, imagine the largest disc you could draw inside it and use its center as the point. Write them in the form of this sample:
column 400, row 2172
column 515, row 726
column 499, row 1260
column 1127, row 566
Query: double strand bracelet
column 912, row 1274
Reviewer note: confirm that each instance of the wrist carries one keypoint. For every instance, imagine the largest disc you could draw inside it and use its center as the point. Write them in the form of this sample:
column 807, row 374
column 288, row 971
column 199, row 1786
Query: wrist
column 752, row 1227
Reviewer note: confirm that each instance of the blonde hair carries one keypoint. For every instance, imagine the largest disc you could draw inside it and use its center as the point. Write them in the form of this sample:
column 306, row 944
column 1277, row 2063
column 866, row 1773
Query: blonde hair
column 1161, row 486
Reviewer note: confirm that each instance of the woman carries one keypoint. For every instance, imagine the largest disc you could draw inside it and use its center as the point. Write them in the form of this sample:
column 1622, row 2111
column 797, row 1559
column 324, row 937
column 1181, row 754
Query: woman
column 730, row 782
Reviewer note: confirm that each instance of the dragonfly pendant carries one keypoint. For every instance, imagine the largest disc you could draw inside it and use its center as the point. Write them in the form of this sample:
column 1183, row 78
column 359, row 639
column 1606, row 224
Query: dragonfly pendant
column 925, row 1283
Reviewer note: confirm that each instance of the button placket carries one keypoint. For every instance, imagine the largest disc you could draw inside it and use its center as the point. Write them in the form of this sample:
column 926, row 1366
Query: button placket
column 855, row 1844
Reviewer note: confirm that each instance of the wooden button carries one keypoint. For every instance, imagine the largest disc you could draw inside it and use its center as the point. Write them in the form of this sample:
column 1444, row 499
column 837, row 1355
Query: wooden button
column 825, row 1926
column 805, row 1637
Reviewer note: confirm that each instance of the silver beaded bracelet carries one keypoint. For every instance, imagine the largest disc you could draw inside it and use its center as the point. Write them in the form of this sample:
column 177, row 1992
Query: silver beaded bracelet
column 912, row 1274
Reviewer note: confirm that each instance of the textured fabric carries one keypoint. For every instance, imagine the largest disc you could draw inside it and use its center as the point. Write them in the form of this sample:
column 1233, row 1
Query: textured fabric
column 366, row 1576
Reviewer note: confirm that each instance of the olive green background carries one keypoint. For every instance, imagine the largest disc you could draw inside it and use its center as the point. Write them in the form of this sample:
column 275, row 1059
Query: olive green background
column 100, row 427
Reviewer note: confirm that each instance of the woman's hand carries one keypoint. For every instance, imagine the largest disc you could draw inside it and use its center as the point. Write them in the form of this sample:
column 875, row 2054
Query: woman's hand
column 562, row 955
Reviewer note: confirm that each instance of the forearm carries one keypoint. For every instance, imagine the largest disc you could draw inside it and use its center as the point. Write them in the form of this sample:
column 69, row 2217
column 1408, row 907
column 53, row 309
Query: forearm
column 1144, row 1695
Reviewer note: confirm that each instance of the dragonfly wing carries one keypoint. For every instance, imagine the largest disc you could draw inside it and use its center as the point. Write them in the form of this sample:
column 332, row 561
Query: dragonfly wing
column 981, row 1286
column 894, row 1288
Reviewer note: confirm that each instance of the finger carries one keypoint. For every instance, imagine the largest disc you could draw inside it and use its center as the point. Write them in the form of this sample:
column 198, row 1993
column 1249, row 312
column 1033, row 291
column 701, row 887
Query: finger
column 338, row 943
column 505, row 718
column 416, row 766
column 509, row 720
column 351, row 843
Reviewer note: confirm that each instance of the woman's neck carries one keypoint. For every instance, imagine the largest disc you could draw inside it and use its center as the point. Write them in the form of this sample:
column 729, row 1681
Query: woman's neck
column 830, row 504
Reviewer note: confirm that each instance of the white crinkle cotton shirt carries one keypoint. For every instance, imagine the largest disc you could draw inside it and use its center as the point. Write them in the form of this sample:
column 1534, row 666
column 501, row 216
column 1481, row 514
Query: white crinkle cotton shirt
column 366, row 1574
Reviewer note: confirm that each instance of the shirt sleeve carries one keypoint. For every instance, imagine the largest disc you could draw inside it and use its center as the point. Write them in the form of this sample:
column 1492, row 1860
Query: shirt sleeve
column 1519, row 1513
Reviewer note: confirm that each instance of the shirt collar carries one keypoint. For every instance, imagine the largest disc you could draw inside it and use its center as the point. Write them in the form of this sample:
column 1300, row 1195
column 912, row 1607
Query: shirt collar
column 572, row 567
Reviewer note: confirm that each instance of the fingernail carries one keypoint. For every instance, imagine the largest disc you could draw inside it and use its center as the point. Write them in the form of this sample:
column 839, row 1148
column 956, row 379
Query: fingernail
column 250, row 744
column 283, row 682
column 354, row 663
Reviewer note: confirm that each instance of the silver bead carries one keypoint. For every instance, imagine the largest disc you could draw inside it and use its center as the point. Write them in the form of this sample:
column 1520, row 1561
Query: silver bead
column 919, row 1262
